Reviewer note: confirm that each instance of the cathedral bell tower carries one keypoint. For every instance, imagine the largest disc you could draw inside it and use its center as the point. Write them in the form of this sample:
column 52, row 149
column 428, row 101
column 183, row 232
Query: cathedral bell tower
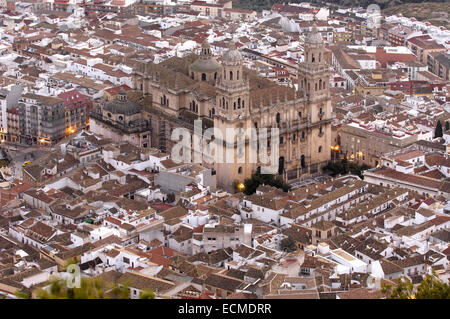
column 232, row 87
column 233, row 112
column 314, row 81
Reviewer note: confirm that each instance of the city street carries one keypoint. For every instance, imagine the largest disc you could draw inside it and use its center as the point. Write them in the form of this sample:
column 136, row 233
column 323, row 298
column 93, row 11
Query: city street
column 18, row 154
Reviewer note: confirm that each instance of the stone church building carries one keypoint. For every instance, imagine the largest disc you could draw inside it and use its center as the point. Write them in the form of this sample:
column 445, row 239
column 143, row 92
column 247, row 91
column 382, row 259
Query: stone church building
column 227, row 94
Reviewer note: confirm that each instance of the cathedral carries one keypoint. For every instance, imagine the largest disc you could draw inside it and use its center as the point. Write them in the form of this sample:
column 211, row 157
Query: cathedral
column 228, row 95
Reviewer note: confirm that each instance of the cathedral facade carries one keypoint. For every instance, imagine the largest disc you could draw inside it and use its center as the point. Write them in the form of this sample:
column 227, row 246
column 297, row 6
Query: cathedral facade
column 228, row 95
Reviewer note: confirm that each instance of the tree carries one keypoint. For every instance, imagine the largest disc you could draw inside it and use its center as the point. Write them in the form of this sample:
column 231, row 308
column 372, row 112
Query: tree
column 170, row 197
column 90, row 288
column 344, row 167
column 438, row 130
column 403, row 290
column 147, row 294
column 23, row 294
column 251, row 184
column 430, row 288
column 288, row 244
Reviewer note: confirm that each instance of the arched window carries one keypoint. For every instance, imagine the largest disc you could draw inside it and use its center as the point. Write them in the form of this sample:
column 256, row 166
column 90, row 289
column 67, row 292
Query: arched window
column 231, row 75
column 280, row 165
column 315, row 86
column 277, row 118
column 300, row 114
column 320, row 56
column 203, row 76
column 223, row 103
column 309, row 87
column 313, row 59
column 234, row 105
column 303, row 134
column 239, row 103
column 243, row 104
column 227, row 105
column 224, row 74
column 320, row 84
column 237, row 75
column 320, row 149
column 240, row 170
column 215, row 75
column 213, row 111
column 302, row 161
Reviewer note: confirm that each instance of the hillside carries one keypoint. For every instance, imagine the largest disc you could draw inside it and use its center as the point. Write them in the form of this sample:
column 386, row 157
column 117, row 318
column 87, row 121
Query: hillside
column 260, row 5
column 437, row 13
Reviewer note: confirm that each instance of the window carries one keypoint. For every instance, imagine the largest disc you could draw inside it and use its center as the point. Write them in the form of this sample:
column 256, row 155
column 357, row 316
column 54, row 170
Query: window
column 240, row 170
column 126, row 260
column 320, row 149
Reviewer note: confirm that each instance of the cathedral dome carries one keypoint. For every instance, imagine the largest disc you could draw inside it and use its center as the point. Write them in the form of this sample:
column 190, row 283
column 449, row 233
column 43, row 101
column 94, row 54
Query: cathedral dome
column 206, row 63
column 232, row 54
column 314, row 37
column 210, row 65
column 121, row 105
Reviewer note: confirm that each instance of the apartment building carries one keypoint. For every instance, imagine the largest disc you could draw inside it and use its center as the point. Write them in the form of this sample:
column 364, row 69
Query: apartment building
column 41, row 119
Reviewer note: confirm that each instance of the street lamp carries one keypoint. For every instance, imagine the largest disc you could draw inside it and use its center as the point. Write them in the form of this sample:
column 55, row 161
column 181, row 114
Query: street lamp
column 334, row 150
